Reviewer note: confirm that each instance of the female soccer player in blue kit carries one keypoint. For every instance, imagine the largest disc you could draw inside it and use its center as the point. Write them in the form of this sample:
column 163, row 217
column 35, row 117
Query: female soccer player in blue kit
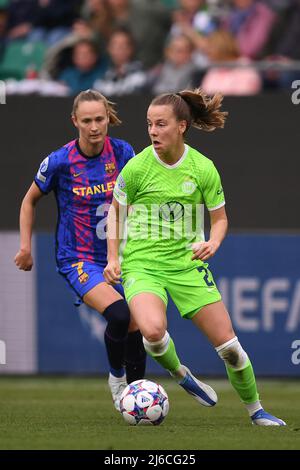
column 82, row 175
column 165, row 186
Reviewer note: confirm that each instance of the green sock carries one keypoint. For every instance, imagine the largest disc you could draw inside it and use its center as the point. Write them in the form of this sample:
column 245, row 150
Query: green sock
column 243, row 381
column 169, row 359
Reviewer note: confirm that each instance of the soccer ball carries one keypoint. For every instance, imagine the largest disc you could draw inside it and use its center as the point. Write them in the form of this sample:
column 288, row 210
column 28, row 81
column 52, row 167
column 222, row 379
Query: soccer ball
column 144, row 402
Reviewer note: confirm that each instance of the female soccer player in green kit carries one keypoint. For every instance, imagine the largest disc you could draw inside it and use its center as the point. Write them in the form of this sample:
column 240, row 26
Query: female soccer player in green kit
column 165, row 188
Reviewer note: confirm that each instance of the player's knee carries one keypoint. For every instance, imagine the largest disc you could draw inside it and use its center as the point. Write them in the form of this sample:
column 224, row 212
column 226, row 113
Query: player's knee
column 117, row 315
column 154, row 332
column 233, row 354
column 154, row 335
column 157, row 342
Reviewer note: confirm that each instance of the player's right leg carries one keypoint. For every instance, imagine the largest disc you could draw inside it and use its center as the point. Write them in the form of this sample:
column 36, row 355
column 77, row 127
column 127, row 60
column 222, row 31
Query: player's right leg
column 214, row 321
column 88, row 282
column 124, row 344
column 147, row 301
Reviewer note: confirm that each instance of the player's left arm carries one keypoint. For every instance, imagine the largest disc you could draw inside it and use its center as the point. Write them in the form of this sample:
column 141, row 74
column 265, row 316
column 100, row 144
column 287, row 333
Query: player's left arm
column 123, row 195
column 218, row 230
column 213, row 195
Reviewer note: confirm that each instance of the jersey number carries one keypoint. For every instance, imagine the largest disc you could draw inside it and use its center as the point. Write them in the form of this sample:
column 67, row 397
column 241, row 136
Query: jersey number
column 207, row 282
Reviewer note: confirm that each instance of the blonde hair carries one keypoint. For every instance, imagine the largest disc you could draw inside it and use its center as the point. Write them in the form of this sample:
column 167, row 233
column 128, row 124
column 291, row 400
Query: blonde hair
column 194, row 107
column 93, row 95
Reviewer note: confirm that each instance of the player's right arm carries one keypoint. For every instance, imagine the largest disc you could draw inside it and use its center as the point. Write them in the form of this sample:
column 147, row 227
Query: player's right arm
column 23, row 258
column 123, row 196
column 115, row 227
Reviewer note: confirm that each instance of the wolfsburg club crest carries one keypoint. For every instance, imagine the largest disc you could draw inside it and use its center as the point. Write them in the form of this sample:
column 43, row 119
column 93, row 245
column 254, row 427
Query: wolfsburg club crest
column 171, row 211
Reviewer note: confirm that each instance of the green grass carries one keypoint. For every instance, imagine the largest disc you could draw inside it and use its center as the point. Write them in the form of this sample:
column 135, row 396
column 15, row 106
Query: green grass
column 77, row 413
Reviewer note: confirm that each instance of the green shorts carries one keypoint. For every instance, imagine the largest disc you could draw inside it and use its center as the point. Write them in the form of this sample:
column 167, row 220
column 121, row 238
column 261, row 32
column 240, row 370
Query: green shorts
column 190, row 290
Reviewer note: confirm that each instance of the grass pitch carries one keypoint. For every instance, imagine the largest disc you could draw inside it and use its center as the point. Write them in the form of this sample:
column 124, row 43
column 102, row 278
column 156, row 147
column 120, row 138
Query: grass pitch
column 77, row 413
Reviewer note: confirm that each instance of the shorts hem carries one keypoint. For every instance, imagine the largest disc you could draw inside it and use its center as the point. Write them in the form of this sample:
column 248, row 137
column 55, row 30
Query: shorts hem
column 90, row 287
column 83, row 291
column 191, row 313
column 143, row 291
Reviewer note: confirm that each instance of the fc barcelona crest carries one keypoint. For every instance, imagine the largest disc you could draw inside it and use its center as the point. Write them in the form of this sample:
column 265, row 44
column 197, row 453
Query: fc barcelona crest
column 110, row 167
column 83, row 278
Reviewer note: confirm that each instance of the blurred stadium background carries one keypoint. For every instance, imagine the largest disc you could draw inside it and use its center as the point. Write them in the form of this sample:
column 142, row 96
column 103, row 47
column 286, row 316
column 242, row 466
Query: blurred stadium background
column 50, row 50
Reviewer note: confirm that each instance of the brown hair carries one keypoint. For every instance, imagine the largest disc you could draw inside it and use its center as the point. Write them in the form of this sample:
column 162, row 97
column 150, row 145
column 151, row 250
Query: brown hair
column 223, row 45
column 194, row 107
column 93, row 95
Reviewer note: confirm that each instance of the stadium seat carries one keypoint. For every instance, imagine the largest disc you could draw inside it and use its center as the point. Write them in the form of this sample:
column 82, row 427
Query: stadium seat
column 20, row 56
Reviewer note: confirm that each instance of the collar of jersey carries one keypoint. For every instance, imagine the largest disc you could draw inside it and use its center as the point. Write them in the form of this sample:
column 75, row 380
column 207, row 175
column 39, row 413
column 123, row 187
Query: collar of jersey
column 170, row 167
column 83, row 154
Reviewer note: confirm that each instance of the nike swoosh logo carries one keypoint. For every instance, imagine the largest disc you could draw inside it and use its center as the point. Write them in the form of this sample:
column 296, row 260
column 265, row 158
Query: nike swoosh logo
column 77, row 174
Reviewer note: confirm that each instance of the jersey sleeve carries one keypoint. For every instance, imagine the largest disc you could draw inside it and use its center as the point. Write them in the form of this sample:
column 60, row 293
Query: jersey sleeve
column 128, row 153
column 126, row 186
column 46, row 176
column 212, row 190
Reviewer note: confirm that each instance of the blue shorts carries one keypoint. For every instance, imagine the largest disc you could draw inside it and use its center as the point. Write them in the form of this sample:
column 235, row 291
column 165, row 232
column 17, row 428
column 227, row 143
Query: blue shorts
column 82, row 276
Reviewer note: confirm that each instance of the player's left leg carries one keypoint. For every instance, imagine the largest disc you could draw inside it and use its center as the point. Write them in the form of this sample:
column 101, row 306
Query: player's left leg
column 135, row 354
column 123, row 341
column 147, row 299
column 214, row 321
column 114, row 309
column 87, row 280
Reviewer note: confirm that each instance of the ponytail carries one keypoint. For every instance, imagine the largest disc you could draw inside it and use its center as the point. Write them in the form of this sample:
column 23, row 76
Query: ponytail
column 205, row 111
column 197, row 109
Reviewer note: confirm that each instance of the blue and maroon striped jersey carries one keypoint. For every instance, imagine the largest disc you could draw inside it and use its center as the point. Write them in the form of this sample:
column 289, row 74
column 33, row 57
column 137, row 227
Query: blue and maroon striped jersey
column 83, row 187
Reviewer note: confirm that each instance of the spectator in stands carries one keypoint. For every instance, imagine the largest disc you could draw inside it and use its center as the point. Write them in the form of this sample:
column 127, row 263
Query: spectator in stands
column 21, row 14
column 41, row 20
column 3, row 24
column 285, row 37
column 194, row 19
column 86, row 68
column 149, row 23
column 95, row 21
column 193, row 14
column 125, row 75
column 283, row 47
column 251, row 23
column 238, row 77
column 177, row 70
column 53, row 20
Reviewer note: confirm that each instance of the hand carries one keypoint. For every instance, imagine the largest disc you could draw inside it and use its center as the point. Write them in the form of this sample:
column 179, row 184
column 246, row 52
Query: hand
column 23, row 260
column 112, row 272
column 204, row 250
column 19, row 31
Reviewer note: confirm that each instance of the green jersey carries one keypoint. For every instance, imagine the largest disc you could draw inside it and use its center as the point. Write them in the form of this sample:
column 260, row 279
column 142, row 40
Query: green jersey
column 166, row 208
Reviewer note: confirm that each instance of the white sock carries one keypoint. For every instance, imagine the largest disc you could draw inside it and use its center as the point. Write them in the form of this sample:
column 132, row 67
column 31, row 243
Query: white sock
column 179, row 374
column 253, row 407
column 113, row 378
column 157, row 347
